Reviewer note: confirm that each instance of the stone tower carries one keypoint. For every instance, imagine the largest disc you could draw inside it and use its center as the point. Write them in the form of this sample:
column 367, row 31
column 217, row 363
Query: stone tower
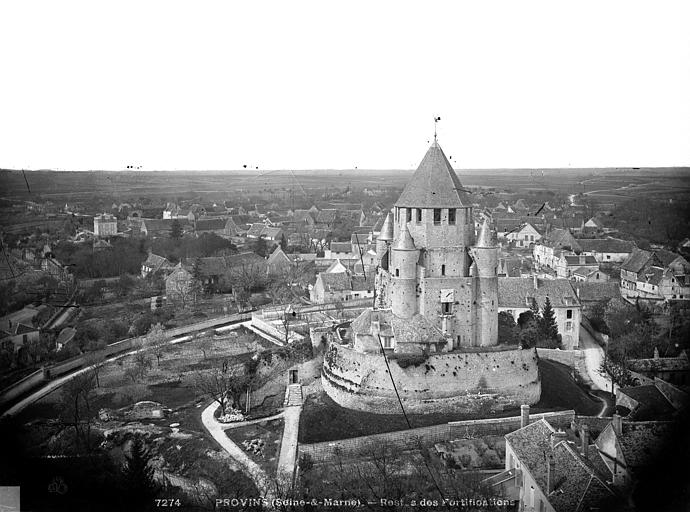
column 425, row 270
column 485, row 256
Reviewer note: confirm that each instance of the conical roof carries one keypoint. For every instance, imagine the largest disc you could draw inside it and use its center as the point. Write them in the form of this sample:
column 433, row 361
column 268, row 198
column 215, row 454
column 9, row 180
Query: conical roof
column 404, row 241
column 386, row 233
column 484, row 239
column 434, row 184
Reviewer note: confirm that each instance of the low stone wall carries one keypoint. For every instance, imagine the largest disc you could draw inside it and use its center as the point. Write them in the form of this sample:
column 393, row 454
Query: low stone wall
column 566, row 357
column 454, row 381
column 359, row 447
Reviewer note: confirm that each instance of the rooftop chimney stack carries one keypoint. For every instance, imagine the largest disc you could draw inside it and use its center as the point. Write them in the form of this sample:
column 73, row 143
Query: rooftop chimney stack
column 584, row 438
column 617, row 422
column 524, row 415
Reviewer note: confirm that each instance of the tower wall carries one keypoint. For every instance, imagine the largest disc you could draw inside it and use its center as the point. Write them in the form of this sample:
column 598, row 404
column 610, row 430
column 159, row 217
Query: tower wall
column 486, row 295
column 458, row 381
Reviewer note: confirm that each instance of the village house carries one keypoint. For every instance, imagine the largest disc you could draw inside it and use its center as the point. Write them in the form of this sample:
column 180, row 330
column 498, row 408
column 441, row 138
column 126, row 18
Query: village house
column 606, row 250
column 104, row 225
column 628, row 447
column 552, row 473
column 210, row 225
column 590, row 275
column 341, row 287
column 551, row 247
column 155, row 263
column 278, row 262
column 658, row 400
column 569, row 263
column 525, row 236
column 515, row 296
column 657, row 275
column 18, row 335
column 674, row 370
column 154, row 228
column 260, row 230
column 591, row 293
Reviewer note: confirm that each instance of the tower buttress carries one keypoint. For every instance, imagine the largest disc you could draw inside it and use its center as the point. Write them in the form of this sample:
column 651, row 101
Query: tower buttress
column 485, row 256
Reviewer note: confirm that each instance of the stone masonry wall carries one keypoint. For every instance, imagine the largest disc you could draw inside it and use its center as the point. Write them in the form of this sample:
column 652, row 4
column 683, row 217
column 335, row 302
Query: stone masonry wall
column 457, row 381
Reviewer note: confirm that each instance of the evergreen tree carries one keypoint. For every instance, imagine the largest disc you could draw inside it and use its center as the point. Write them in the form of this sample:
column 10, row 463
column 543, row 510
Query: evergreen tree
column 535, row 308
column 261, row 247
column 175, row 229
column 138, row 474
column 548, row 330
column 283, row 243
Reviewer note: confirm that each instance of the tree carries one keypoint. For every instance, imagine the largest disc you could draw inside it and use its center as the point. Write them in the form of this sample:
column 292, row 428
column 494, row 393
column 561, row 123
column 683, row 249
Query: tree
column 283, row 242
column 548, row 330
column 175, row 229
column 96, row 360
column 138, row 474
column 222, row 384
column 77, row 407
column 261, row 247
column 156, row 342
column 205, row 344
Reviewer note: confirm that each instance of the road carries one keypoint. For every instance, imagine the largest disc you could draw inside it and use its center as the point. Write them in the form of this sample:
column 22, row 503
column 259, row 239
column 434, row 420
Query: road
column 251, row 468
column 594, row 357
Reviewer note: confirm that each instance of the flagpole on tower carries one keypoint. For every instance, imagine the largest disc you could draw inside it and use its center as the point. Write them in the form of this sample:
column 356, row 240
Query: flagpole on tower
column 436, row 120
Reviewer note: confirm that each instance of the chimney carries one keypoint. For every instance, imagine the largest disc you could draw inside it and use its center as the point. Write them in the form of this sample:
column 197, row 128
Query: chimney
column 557, row 437
column 582, row 259
column 656, row 352
column 524, row 415
column 536, row 281
column 617, row 422
column 584, row 440
column 550, row 474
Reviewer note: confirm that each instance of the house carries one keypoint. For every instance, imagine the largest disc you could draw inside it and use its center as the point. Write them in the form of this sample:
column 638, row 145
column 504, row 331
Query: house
column 507, row 225
column 54, row 268
column 657, row 275
column 643, row 403
column 160, row 227
column 104, row 225
column 592, row 293
column 552, row 473
column 589, row 274
column 607, row 250
column 214, row 272
column 628, row 447
column 210, row 225
column 259, row 230
column 279, row 261
column 549, row 249
column 525, row 236
column 18, row 335
column 568, row 263
column 341, row 287
column 515, row 296
column 230, row 229
column 154, row 264
column 326, row 218
column 674, row 370
column 339, row 250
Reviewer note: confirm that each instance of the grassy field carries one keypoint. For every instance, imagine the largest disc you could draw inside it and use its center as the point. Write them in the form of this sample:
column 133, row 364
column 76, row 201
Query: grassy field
column 270, row 432
column 324, row 420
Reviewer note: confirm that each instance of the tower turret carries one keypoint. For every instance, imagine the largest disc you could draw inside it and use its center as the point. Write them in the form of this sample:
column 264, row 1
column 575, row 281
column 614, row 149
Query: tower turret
column 485, row 256
column 403, row 270
column 385, row 238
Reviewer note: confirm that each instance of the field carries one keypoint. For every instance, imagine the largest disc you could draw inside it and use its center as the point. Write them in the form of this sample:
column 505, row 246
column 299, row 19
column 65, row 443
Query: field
column 324, row 420
column 602, row 185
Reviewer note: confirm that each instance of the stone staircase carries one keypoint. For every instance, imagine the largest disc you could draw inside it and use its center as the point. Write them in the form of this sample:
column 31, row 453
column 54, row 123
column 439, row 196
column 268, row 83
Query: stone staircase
column 293, row 395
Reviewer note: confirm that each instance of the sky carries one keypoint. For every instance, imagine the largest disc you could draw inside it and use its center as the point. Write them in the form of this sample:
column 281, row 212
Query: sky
column 338, row 85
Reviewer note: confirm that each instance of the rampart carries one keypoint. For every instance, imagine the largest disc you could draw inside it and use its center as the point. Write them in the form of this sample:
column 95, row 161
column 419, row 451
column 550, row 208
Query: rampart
column 467, row 381
column 359, row 447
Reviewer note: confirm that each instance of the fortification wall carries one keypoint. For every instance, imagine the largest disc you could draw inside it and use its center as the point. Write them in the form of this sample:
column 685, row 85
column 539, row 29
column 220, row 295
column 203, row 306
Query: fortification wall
column 489, row 380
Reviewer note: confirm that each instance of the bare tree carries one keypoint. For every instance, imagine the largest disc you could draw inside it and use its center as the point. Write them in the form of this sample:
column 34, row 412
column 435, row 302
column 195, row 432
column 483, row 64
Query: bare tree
column 156, row 342
column 77, row 407
column 222, row 385
column 96, row 360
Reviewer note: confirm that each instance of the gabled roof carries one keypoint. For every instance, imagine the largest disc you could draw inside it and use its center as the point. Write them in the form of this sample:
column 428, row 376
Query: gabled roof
column 434, row 184
column 637, row 260
column 574, row 261
column 339, row 281
column 660, row 364
column 641, row 441
column 652, row 403
column 604, row 245
column 326, row 216
column 215, row 224
column 513, row 291
column 591, row 292
column 417, row 329
column 341, row 247
column 155, row 261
